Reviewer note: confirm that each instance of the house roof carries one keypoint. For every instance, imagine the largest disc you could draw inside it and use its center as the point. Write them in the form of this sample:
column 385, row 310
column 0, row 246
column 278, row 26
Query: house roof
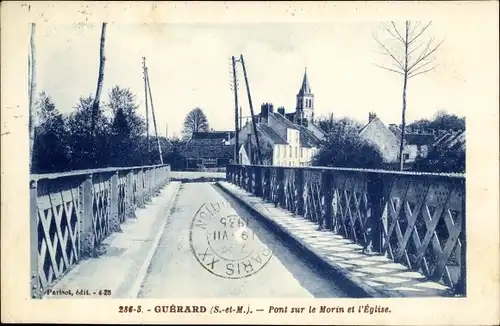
column 318, row 128
column 451, row 140
column 285, row 121
column 396, row 131
column 212, row 134
column 207, row 151
column 277, row 139
column 419, row 139
column 307, row 138
column 376, row 120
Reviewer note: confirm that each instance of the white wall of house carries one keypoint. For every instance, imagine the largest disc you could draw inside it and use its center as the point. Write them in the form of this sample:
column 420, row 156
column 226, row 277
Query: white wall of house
column 379, row 135
column 411, row 152
column 243, row 156
column 292, row 154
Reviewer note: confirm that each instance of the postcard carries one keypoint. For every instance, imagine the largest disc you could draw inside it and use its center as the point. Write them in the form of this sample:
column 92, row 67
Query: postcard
column 250, row 162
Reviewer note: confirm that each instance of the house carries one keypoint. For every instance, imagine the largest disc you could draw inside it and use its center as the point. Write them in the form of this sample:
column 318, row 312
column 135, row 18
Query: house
column 285, row 139
column 376, row 133
column 450, row 140
column 417, row 142
column 208, row 150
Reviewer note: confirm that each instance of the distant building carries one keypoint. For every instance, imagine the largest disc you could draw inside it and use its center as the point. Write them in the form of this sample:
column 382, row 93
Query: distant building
column 286, row 139
column 208, row 150
column 388, row 140
column 376, row 133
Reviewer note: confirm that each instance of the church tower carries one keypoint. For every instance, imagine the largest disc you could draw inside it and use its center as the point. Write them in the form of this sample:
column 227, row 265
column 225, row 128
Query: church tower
column 305, row 102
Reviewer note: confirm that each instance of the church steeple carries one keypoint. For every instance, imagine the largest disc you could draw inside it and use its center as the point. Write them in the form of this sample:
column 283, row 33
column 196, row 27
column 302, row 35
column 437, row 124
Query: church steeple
column 305, row 101
column 306, row 88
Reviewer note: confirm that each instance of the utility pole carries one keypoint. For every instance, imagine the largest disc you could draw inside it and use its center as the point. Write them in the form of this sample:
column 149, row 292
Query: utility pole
column 147, row 109
column 236, row 129
column 241, row 118
column 100, row 80
column 251, row 110
column 32, row 91
column 153, row 114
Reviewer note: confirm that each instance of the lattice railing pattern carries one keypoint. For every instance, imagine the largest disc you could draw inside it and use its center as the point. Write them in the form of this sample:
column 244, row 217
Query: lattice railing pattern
column 58, row 206
column 416, row 219
column 424, row 226
column 312, row 195
column 122, row 197
column 101, row 201
column 73, row 212
column 289, row 189
column 350, row 206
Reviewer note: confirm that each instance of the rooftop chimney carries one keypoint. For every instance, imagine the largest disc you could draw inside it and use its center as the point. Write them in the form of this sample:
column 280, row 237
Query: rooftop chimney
column 265, row 109
column 281, row 110
column 371, row 116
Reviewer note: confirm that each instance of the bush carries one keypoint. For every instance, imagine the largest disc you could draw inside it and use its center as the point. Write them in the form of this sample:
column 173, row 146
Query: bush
column 344, row 148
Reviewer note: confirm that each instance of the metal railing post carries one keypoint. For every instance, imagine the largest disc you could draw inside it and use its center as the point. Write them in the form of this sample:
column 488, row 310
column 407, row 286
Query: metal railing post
column 35, row 274
column 326, row 199
column 258, row 181
column 375, row 193
column 114, row 221
column 299, row 191
column 87, row 236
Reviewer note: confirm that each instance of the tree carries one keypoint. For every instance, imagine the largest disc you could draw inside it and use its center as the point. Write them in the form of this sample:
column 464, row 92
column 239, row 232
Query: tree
column 195, row 121
column 88, row 150
column 442, row 120
column 32, row 91
column 344, row 148
column 330, row 123
column 441, row 160
column 415, row 57
column 100, row 79
column 173, row 153
column 127, row 143
column 50, row 152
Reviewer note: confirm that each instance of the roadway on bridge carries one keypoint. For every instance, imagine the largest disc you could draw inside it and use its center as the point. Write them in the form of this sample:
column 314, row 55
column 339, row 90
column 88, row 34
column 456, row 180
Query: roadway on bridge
column 175, row 271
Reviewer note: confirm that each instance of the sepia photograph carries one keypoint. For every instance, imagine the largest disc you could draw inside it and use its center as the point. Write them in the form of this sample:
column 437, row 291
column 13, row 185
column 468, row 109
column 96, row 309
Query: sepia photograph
column 299, row 159
column 277, row 185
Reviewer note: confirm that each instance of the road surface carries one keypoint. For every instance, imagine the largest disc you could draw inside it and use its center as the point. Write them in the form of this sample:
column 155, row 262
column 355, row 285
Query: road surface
column 175, row 272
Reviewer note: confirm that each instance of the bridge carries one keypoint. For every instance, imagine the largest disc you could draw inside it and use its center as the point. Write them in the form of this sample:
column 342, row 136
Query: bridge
column 327, row 232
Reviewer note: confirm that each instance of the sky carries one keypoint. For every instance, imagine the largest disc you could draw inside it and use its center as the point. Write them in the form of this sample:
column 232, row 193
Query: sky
column 190, row 66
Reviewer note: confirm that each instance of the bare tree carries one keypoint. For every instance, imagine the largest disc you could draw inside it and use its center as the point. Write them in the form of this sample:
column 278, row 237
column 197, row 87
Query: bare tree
column 411, row 56
column 100, row 79
column 195, row 121
column 32, row 90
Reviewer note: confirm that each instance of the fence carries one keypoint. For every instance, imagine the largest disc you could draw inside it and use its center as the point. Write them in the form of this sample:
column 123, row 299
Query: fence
column 72, row 213
column 417, row 219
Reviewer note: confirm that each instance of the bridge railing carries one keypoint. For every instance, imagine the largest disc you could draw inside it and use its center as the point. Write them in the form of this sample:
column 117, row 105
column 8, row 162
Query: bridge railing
column 417, row 219
column 73, row 212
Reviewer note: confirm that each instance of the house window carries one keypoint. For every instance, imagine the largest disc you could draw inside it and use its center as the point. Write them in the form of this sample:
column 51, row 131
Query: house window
column 296, row 152
column 284, row 151
column 406, row 156
column 290, row 152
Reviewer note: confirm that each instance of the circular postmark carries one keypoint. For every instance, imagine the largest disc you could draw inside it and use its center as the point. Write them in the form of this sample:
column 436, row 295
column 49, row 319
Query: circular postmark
column 224, row 243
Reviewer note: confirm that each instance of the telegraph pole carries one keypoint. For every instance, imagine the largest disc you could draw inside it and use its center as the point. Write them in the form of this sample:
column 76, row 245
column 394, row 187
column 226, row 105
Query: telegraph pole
column 251, row 110
column 236, row 129
column 147, row 109
column 241, row 118
column 153, row 114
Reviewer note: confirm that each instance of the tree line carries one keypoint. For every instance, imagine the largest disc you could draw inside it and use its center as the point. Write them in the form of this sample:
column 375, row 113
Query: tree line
column 111, row 134
column 88, row 138
column 343, row 147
